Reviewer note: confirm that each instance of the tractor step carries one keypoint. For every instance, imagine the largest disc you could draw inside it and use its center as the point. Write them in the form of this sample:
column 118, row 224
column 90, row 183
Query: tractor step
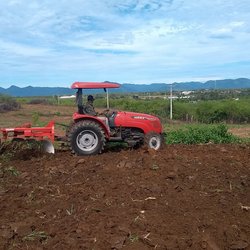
column 115, row 139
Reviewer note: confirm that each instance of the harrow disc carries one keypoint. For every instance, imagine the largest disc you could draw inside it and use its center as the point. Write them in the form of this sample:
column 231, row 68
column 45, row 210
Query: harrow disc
column 47, row 147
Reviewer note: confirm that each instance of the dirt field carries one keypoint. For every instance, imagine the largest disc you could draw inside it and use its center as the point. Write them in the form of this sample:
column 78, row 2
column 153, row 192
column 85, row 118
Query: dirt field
column 182, row 197
column 242, row 132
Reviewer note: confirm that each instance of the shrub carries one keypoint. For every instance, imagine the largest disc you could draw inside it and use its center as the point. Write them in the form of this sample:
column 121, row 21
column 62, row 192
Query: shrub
column 38, row 101
column 156, row 106
column 223, row 111
column 201, row 134
column 8, row 103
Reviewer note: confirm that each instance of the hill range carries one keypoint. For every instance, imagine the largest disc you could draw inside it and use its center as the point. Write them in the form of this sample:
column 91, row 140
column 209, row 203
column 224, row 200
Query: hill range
column 132, row 88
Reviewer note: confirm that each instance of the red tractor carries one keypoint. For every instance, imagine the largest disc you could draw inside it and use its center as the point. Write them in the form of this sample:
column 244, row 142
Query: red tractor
column 88, row 134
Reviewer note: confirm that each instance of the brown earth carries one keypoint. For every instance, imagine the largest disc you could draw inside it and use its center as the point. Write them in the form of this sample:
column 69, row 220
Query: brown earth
column 242, row 132
column 182, row 197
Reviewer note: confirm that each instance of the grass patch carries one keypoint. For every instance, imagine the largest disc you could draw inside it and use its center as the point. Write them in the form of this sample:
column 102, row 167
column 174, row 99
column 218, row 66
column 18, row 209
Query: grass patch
column 133, row 238
column 196, row 134
column 11, row 171
column 155, row 167
column 36, row 235
column 8, row 171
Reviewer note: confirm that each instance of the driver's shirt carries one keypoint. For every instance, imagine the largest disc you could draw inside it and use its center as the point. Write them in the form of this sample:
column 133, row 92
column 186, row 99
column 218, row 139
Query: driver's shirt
column 89, row 109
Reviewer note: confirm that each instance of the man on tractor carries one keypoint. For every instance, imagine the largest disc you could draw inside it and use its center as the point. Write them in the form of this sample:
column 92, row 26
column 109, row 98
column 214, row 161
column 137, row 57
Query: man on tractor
column 89, row 107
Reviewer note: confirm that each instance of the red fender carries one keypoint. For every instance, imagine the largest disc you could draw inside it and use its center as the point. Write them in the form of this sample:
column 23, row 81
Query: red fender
column 77, row 117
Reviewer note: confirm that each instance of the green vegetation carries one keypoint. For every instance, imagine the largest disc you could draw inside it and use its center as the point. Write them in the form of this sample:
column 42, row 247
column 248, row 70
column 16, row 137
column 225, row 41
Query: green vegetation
column 133, row 238
column 157, row 107
column 8, row 103
column 39, row 101
column 36, row 119
column 205, row 106
column 219, row 94
column 230, row 111
column 36, row 235
column 195, row 134
column 10, row 171
column 155, row 167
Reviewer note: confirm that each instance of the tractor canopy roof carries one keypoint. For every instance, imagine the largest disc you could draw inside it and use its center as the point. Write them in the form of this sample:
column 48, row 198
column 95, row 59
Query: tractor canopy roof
column 95, row 85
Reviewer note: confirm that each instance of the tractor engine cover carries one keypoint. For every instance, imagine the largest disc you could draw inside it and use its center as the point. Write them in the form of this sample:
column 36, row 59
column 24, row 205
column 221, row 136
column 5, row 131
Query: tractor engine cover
column 147, row 123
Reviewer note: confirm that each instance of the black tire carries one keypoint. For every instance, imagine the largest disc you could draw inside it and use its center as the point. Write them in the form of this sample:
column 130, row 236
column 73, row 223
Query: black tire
column 68, row 129
column 86, row 138
column 153, row 140
column 67, row 134
column 17, row 140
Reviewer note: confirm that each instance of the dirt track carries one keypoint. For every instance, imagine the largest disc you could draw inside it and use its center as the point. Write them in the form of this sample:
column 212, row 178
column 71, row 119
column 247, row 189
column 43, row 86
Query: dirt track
column 183, row 197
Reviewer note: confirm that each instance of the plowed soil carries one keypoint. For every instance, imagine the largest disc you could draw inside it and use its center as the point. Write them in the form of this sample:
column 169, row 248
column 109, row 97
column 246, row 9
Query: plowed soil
column 182, row 197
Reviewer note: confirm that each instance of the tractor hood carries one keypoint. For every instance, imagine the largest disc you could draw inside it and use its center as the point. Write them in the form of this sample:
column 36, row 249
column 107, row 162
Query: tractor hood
column 145, row 122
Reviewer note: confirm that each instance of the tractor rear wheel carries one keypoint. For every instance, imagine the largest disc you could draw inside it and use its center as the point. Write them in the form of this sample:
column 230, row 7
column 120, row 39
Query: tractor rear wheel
column 153, row 140
column 86, row 138
column 71, row 124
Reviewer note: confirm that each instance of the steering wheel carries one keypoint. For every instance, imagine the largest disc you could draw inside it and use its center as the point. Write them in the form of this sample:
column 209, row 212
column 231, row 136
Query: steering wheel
column 105, row 112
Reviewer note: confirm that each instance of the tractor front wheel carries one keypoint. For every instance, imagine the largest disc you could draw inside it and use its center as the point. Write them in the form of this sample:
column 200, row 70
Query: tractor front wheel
column 86, row 138
column 153, row 140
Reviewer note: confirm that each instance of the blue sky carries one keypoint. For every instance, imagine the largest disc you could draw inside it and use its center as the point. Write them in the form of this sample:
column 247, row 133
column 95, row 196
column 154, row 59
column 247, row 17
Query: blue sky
column 54, row 43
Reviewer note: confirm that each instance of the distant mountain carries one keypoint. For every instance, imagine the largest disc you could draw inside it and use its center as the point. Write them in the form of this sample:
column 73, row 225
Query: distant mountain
column 36, row 91
column 131, row 88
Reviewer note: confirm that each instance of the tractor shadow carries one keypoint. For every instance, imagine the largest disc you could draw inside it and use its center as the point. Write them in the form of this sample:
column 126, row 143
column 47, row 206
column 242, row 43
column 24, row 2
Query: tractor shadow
column 116, row 147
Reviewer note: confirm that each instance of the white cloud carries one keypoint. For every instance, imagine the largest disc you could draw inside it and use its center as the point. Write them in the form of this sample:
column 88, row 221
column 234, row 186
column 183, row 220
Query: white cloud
column 237, row 24
column 129, row 40
column 22, row 50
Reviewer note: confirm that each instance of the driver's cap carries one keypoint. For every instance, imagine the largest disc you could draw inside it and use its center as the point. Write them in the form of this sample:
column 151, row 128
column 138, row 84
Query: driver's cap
column 91, row 98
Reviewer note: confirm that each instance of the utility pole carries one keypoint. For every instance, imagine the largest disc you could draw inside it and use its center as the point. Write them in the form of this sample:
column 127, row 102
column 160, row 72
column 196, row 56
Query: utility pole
column 171, row 102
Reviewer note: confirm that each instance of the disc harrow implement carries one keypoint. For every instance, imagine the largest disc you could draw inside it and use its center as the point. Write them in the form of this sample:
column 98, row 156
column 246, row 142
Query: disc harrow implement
column 45, row 135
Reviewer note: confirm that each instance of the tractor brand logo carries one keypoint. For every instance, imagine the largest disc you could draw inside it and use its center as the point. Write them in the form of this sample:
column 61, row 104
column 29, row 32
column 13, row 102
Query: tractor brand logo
column 143, row 118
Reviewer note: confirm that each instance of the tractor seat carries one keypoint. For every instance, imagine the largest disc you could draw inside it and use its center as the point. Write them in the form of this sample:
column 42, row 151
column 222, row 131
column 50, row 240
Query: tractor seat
column 82, row 109
column 111, row 119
